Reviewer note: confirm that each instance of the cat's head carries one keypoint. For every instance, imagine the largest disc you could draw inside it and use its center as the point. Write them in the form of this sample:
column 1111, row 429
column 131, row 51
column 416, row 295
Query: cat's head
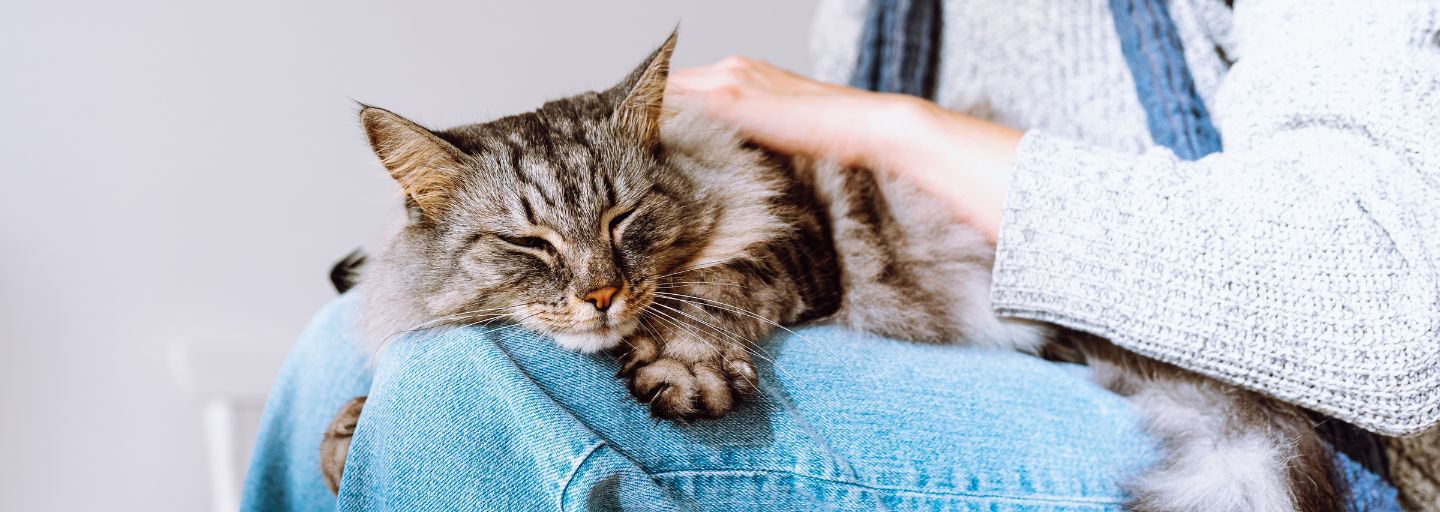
column 564, row 219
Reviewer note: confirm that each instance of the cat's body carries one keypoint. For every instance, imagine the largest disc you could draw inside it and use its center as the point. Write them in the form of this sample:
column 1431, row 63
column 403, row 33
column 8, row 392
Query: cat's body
column 678, row 245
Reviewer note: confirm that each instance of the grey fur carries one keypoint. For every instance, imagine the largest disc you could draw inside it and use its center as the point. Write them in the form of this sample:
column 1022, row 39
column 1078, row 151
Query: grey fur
column 718, row 243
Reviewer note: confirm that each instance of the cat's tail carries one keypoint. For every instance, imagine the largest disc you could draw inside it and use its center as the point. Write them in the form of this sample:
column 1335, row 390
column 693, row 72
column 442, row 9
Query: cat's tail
column 1225, row 448
column 345, row 274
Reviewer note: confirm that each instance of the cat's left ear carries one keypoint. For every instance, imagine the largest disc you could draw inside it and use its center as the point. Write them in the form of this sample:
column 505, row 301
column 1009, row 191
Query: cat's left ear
column 424, row 165
column 637, row 113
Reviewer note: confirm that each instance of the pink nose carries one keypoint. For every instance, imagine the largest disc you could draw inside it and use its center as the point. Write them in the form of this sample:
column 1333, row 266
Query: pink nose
column 600, row 297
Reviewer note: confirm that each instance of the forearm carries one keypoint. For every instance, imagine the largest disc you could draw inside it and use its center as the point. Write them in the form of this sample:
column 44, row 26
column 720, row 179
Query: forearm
column 1247, row 267
column 965, row 161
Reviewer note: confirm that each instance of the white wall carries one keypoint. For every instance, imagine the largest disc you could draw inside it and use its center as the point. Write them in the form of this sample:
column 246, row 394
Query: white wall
column 185, row 172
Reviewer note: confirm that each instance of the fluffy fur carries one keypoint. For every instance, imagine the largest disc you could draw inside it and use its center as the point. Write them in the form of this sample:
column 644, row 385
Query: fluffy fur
column 713, row 243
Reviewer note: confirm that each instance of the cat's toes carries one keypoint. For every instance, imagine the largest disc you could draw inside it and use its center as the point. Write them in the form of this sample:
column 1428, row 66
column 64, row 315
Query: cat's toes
column 629, row 362
column 741, row 372
column 682, row 392
column 638, row 352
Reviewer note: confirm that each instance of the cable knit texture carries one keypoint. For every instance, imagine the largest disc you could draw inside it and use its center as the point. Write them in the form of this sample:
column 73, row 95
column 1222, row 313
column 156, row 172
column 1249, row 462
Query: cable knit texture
column 1303, row 261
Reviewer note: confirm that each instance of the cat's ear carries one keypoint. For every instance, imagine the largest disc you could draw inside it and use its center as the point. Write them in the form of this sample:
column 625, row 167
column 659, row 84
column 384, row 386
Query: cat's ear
column 426, row 166
column 637, row 112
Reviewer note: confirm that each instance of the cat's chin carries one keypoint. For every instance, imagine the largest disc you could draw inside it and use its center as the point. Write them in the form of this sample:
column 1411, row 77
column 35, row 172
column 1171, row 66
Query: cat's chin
column 590, row 341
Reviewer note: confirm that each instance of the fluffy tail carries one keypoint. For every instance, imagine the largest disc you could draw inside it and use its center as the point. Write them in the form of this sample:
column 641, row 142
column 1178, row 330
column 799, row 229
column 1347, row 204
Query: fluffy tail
column 1226, row 449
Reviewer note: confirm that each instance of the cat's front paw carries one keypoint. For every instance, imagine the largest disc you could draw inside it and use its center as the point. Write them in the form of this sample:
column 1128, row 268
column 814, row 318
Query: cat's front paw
column 682, row 389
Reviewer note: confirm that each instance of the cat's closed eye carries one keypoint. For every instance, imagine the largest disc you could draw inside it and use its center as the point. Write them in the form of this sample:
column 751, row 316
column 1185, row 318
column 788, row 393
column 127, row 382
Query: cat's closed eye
column 528, row 242
column 615, row 222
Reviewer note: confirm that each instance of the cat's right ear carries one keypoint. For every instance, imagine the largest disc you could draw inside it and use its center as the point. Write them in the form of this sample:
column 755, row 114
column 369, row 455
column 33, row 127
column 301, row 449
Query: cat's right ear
column 426, row 166
column 641, row 94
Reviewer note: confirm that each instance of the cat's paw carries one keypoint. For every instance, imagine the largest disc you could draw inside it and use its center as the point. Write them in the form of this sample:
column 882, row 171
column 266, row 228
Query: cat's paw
column 335, row 447
column 681, row 390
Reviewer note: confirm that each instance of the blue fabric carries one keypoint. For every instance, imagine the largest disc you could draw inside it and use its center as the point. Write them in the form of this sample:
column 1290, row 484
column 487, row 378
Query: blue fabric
column 322, row 372
column 900, row 47
column 1174, row 110
column 899, row 52
column 505, row 420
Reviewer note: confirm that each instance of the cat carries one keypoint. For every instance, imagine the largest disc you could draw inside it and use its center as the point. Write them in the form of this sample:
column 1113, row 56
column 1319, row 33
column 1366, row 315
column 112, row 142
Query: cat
column 610, row 223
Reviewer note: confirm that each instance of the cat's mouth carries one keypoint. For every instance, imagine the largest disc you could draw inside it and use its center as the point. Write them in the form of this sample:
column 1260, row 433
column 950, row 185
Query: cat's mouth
column 605, row 335
column 584, row 329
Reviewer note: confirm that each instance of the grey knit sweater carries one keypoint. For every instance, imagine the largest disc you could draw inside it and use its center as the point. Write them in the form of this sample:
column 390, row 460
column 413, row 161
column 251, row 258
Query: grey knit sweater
column 1303, row 261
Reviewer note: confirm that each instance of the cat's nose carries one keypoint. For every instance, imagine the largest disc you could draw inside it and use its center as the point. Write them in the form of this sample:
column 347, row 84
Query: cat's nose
column 600, row 297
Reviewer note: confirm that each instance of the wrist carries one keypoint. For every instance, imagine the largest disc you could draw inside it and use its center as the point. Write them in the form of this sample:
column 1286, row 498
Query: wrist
column 965, row 160
column 903, row 136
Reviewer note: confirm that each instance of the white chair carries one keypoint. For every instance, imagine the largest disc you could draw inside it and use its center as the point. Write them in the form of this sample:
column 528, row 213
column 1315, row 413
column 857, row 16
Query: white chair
column 229, row 382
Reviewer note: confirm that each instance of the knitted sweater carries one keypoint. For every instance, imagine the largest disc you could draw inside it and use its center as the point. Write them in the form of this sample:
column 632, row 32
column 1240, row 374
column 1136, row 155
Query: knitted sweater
column 1303, row 261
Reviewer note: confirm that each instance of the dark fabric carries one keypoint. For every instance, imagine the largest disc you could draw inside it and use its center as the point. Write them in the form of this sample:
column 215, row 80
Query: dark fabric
column 1365, row 448
column 1177, row 116
column 900, row 47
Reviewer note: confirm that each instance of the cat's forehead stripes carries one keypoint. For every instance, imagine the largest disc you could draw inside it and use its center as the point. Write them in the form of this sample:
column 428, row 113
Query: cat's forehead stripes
column 554, row 167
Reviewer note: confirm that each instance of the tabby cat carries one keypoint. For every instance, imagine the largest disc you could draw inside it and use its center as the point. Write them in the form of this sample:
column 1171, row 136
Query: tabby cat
column 604, row 212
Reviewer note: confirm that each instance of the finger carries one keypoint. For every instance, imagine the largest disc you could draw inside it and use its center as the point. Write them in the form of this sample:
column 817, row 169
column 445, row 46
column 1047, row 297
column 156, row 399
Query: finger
column 702, row 80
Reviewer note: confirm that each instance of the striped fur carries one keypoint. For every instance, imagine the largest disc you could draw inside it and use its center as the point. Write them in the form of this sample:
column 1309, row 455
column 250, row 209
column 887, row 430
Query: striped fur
column 713, row 243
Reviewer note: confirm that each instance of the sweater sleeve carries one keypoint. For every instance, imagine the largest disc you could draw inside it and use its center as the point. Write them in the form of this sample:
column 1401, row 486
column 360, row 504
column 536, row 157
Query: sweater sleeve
column 1303, row 261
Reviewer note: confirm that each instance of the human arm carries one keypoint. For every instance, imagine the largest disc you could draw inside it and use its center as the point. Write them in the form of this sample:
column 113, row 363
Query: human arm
column 964, row 160
column 1300, row 262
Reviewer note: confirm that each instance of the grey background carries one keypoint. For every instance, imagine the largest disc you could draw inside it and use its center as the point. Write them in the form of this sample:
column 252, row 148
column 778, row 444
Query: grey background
column 183, row 173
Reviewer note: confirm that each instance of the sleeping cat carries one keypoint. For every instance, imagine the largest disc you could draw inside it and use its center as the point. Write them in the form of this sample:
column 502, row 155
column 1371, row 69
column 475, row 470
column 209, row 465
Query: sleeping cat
column 610, row 223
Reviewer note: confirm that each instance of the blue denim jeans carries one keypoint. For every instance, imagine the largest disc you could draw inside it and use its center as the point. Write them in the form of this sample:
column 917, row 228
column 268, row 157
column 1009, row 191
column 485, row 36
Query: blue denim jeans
column 472, row 419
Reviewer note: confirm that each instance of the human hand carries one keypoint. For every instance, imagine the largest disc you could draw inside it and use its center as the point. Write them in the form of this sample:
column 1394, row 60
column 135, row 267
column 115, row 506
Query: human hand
column 961, row 159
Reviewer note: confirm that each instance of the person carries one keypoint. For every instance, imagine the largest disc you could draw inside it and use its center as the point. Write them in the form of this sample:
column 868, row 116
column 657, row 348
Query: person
column 1284, row 246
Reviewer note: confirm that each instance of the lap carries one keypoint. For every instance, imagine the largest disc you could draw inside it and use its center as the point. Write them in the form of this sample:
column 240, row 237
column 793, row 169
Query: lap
column 842, row 419
column 505, row 420
column 322, row 372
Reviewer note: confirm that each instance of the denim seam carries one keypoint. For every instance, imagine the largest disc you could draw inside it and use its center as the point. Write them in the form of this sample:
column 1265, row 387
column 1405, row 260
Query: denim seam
column 575, row 470
column 1040, row 498
column 838, row 463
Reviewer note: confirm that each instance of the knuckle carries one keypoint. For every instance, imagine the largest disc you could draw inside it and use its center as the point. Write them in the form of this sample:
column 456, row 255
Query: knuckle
column 728, row 92
column 735, row 61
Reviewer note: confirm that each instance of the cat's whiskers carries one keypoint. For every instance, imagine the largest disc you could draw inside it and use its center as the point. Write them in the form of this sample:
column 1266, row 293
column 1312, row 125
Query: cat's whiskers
column 504, row 328
column 700, row 301
column 653, row 333
column 485, row 322
column 759, row 351
column 464, row 314
column 701, row 265
column 732, row 335
column 760, row 393
column 454, row 316
column 676, row 284
column 737, row 309
column 661, row 315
